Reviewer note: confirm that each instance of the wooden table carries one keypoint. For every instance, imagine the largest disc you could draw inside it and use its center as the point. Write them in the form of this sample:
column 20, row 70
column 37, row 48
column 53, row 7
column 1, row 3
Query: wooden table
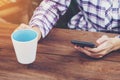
column 57, row 59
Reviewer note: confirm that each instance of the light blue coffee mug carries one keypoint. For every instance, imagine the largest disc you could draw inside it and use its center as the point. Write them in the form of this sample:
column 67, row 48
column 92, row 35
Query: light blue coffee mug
column 25, row 45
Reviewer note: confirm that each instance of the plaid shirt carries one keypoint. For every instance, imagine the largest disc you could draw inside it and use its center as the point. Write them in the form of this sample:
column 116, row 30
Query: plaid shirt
column 94, row 15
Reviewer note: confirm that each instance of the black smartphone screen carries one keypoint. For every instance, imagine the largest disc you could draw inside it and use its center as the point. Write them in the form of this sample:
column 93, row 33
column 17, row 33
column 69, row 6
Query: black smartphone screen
column 83, row 43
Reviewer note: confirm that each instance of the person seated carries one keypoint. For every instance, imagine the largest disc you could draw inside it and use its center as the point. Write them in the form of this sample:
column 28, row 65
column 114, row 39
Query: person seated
column 94, row 16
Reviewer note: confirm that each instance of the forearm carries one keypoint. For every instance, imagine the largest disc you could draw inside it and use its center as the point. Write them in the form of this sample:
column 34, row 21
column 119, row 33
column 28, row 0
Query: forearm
column 47, row 14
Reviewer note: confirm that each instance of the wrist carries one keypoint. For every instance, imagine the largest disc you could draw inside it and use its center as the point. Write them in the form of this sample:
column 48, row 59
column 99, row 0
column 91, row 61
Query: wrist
column 116, row 42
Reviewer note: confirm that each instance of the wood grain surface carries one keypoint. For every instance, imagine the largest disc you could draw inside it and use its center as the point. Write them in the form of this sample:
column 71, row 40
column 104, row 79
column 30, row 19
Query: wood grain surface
column 57, row 59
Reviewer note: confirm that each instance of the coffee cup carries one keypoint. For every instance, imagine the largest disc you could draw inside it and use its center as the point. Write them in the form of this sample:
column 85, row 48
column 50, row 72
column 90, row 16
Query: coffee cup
column 25, row 45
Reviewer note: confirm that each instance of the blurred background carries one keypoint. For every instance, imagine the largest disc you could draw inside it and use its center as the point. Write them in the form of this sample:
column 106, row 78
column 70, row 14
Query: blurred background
column 20, row 11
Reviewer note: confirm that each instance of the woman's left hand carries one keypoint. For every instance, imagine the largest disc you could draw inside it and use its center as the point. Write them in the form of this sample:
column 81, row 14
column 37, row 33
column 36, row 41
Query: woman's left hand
column 105, row 46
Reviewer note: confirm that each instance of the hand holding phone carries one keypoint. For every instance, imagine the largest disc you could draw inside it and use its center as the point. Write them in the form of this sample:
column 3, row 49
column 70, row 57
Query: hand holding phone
column 83, row 43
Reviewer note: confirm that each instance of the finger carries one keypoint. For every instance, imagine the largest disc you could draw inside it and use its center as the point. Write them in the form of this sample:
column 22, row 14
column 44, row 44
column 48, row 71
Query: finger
column 83, row 50
column 99, row 54
column 102, row 39
column 24, row 26
column 92, row 54
column 89, row 53
column 94, row 50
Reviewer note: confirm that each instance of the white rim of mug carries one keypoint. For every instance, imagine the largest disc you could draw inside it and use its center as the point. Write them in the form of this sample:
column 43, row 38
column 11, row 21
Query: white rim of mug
column 25, row 41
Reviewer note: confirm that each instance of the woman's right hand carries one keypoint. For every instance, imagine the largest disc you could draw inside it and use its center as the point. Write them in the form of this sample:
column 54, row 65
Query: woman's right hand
column 24, row 26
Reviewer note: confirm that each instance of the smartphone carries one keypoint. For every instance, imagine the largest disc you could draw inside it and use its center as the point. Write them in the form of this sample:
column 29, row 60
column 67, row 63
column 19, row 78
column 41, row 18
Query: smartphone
column 83, row 43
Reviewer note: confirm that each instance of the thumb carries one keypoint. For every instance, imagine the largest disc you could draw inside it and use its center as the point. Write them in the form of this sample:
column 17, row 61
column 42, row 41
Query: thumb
column 24, row 26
